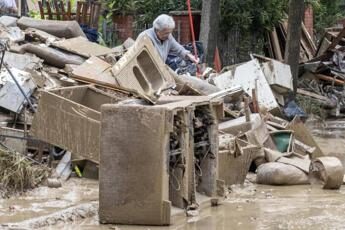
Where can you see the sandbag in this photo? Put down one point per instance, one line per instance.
(8, 21)
(61, 29)
(275, 173)
(328, 171)
(196, 86)
(52, 56)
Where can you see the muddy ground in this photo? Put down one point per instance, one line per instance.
(251, 206)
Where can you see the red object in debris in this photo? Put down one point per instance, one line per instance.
(192, 28)
(193, 34)
(217, 62)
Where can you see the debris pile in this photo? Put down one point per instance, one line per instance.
(322, 79)
(276, 40)
(38, 59)
(158, 138)
(19, 173)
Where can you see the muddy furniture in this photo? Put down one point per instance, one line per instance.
(201, 124)
(152, 157)
(141, 69)
(70, 119)
(234, 162)
(133, 175)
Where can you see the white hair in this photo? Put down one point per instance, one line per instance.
(163, 21)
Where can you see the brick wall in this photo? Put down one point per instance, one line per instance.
(123, 26)
(309, 19)
(182, 31)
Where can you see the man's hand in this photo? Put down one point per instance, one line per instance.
(193, 59)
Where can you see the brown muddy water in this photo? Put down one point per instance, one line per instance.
(249, 206)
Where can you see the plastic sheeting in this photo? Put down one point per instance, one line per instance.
(291, 109)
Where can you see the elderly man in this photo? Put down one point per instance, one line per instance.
(164, 42)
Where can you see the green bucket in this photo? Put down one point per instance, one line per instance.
(281, 140)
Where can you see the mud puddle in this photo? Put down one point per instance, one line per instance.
(43, 200)
(257, 207)
(247, 207)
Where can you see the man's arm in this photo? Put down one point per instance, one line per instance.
(180, 51)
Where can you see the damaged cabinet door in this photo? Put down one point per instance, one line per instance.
(134, 178)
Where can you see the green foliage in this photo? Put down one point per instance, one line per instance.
(147, 10)
(327, 13)
(315, 3)
(251, 14)
(121, 6)
(34, 14)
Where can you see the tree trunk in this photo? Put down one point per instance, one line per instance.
(292, 49)
(209, 28)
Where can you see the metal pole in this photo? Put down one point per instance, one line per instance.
(19, 8)
(20, 88)
(2, 49)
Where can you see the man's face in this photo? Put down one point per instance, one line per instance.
(164, 34)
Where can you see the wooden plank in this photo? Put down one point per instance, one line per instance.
(324, 44)
(95, 15)
(82, 46)
(305, 48)
(79, 5)
(63, 12)
(310, 94)
(106, 86)
(41, 9)
(302, 134)
(92, 9)
(309, 39)
(49, 11)
(69, 10)
(330, 79)
(84, 13)
(337, 40)
(276, 45)
(95, 70)
(303, 53)
(57, 10)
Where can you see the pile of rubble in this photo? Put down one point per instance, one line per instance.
(276, 41)
(323, 75)
(158, 139)
(321, 81)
